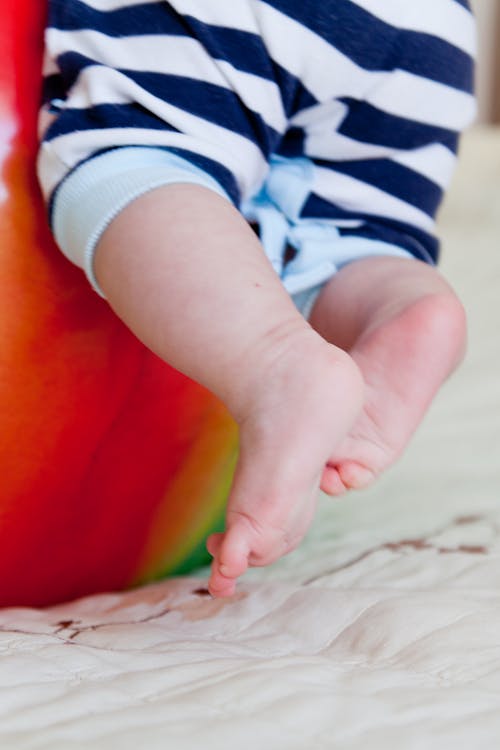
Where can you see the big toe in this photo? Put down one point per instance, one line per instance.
(345, 475)
(331, 483)
(231, 553)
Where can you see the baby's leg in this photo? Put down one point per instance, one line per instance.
(406, 330)
(181, 267)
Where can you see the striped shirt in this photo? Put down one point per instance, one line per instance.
(361, 101)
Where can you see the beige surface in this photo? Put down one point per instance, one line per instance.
(381, 631)
(487, 14)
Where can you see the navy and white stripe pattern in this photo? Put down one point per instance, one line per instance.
(367, 97)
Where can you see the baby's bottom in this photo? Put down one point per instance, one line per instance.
(331, 403)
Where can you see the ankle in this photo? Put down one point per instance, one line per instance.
(261, 360)
(293, 361)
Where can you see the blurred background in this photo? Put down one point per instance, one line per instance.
(488, 63)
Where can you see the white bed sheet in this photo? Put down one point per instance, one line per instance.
(381, 631)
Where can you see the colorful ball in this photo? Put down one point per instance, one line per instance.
(114, 467)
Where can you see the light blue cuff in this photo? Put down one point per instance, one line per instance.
(95, 193)
(322, 251)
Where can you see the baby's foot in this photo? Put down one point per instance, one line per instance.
(404, 361)
(307, 403)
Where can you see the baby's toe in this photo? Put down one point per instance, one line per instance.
(354, 475)
(219, 585)
(345, 475)
(231, 553)
(331, 483)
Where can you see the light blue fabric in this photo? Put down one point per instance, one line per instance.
(320, 248)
